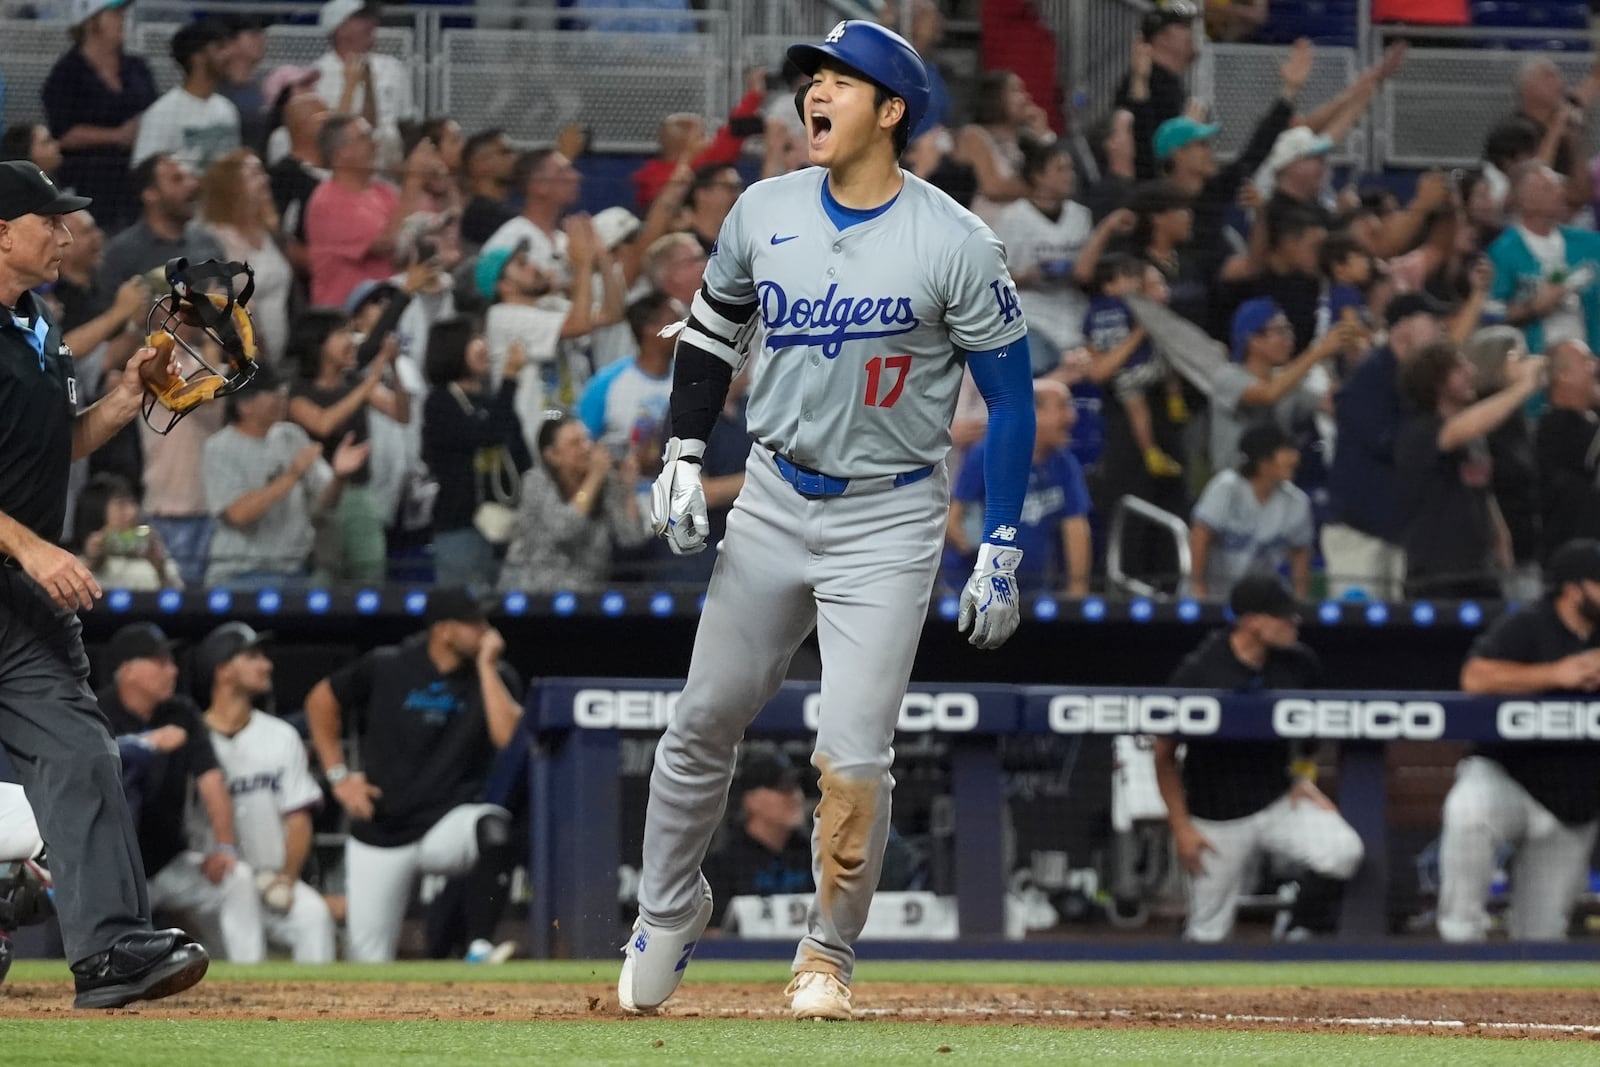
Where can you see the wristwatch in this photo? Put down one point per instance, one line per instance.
(337, 774)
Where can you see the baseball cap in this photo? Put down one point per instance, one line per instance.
(492, 264)
(454, 605)
(1183, 130)
(616, 225)
(1262, 441)
(281, 78)
(1577, 560)
(762, 770)
(367, 291)
(138, 640)
(1262, 594)
(84, 10)
(336, 13)
(222, 644)
(27, 190)
(1251, 318)
(1408, 304)
(1173, 13)
(1295, 143)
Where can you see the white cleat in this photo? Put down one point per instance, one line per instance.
(655, 958)
(818, 995)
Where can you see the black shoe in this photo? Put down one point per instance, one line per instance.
(5, 956)
(146, 965)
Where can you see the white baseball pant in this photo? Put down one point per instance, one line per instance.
(860, 569)
(1301, 833)
(307, 929)
(230, 911)
(1484, 810)
(379, 881)
(19, 832)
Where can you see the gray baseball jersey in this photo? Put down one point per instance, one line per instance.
(859, 369)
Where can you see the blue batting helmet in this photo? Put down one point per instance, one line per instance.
(879, 53)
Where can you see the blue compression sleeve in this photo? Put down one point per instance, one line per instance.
(1005, 378)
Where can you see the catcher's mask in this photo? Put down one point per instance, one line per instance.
(203, 296)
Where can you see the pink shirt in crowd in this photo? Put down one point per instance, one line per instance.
(341, 225)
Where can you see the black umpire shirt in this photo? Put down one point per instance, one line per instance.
(38, 405)
(170, 777)
(1232, 779)
(424, 737)
(1563, 776)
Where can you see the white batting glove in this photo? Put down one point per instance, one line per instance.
(990, 605)
(677, 500)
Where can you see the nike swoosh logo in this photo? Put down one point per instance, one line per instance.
(779, 240)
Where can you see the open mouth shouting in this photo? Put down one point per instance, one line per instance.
(821, 127)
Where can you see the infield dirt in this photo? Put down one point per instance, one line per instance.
(1546, 1013)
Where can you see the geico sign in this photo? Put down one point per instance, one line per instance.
(623, 709)
(1548, 720)
(1375, 720)
(950, 713)
(1119, 713)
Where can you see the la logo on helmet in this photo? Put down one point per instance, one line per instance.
(836, 34)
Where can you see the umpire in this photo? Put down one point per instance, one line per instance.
(49, 722)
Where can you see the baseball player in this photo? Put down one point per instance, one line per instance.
(264, 762)
(873, 290)
(1235, 802)
(1540, 798)
(429, 714)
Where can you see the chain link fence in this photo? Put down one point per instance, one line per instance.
(1241, 81)
(532, 82)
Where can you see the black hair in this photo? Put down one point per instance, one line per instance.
(1509, 142)
(548, 430)
(527, 165)
(446, 361)
(310, 331)
(1378, 199)
(989, 109)
(194, 38)
(17, 141)
(1424, 376)
(94, 500)
(1335, 250)
(1285, 222)
(705, 176)
(144, 175)
(1036, 157)
(479, 141)
(1116, 265)
(643, 311)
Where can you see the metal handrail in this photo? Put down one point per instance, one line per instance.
(1143, 509)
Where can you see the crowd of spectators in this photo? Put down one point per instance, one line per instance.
(463, 375)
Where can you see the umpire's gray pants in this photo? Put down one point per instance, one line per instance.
(63, 753)
(860, 569)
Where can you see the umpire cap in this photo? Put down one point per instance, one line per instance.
(882, 55)
(27, 190)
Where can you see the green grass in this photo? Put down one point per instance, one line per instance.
(125, 1041)
(604, 972)
(728, 1044)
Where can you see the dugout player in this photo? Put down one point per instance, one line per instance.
(49, 724)
(1234, 803)
(427, 716)
(269, 781)
(874, 290)
(1541, 798)
(212, 885)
